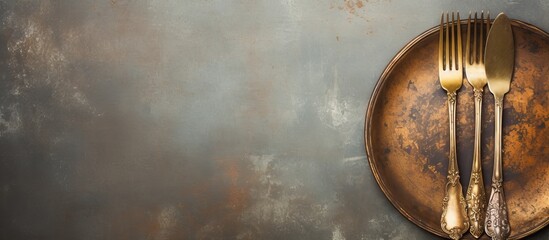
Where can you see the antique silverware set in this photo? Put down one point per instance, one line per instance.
(489, 58)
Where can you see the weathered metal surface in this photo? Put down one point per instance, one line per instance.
(208, 119)
(408, 133)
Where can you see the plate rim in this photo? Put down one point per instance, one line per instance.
(368, 142)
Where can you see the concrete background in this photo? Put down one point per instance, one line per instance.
(209, 119)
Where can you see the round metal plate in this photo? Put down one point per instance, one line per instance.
(406, 133)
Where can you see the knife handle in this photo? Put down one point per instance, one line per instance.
(497, 223)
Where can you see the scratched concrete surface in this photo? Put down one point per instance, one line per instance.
(209, 119)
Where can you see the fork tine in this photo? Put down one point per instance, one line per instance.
(447, 45)
(453, 42)
(486, 32)
(459, 45)
(440, 43)
(468, 41)
(487, 23)
(481, 38)
(475, 46)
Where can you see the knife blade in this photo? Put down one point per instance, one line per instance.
(500, 56)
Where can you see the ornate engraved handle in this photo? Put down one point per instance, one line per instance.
(454, 220)
(497, 223)
(476, 195)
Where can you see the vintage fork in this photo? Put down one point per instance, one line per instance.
(476, 75)
(454, 220)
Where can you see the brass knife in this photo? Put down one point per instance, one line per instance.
(499, 63)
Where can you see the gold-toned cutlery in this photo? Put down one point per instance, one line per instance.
(454, 220)
(499, 64)
(475, 74)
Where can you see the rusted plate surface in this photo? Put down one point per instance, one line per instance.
(407, 133)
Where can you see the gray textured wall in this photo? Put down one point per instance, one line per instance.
(209, 119)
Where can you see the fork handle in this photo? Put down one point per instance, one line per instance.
(452, 166)
(497, 223)
(476, 195)
(454, 220)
